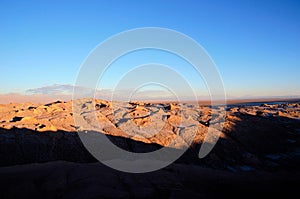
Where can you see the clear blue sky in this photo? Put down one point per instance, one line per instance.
(255, 44)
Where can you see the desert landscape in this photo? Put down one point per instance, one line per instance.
(258, 151)
(149, 99)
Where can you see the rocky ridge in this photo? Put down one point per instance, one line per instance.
(252, 137)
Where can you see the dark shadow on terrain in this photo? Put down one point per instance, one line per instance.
(258, 143)
(23, 146)
(274, 140)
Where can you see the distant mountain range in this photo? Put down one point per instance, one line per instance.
(65, 92)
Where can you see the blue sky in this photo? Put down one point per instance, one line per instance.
(255, 44)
